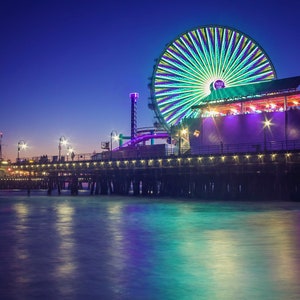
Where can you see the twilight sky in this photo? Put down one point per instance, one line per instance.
(67, 67)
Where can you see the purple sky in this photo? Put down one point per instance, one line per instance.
(67, 67)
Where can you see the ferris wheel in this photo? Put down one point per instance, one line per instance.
(199, 61)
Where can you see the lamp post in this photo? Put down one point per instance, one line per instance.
(70, 152)
(21, 146)
(113, 135)
(62, 141)
(1, 135)
(182, 133)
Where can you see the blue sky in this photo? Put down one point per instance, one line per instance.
(67, 67)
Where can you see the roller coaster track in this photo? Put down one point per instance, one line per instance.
(143, 138)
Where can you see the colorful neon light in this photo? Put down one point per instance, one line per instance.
(200, 60)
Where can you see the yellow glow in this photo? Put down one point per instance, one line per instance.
(65, 213)
(196, 133)
(22, 210)
(184, 131)
(267, 123)
(206, 85)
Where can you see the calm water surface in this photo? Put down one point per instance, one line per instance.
(102, 247)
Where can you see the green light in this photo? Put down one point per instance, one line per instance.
(188, 67)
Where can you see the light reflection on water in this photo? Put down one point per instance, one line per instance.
(127, 248)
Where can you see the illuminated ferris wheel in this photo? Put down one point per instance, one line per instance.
(200, 61)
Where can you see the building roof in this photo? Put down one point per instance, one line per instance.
(252, 90)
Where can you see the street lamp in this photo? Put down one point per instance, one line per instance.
(62, 141)
(21, 146)
(113, 135)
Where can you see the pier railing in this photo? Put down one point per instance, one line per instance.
(257, 147)
(137, 152)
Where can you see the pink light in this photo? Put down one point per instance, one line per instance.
(134, 96)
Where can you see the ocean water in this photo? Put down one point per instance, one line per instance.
(108, 247)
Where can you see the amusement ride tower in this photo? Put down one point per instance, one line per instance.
(133, 98)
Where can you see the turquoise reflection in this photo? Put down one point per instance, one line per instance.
(205, 254)
(130, 248)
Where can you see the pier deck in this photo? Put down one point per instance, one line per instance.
(242, 176)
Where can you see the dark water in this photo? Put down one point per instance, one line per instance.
(102, 247)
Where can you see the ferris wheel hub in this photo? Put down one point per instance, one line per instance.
(218, 84)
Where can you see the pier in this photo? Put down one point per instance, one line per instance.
(241, 176)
